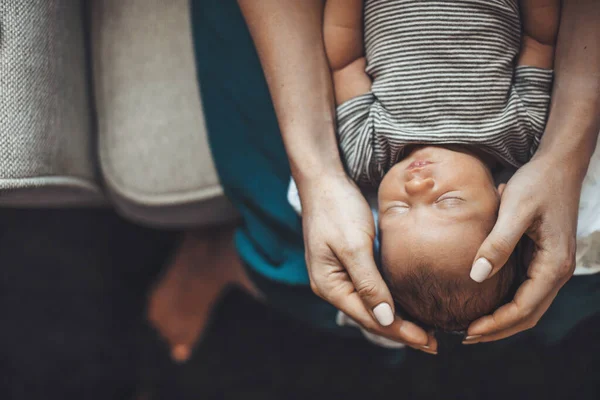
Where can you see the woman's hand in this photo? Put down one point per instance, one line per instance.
(541, 200)
(338, 225)
(339, 231)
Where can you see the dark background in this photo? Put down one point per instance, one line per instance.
(73, 291)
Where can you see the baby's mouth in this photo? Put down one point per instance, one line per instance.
(418, 164)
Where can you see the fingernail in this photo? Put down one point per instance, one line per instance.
(340, 319)
(481, 270)
(383, 314)
(472, 337)
(428, 350)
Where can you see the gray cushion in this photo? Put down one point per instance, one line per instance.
(153, 148)
(46, 143)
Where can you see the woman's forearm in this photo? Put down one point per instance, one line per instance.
(574, 119)
(289, 39)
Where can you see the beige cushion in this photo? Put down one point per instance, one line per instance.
(46, 143)
(153, 147)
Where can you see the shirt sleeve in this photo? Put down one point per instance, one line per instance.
(355, 123)
(533, 87)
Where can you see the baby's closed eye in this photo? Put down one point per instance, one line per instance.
(451, 201)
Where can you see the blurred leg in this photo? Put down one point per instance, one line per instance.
(180, 305)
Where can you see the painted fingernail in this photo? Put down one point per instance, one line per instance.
(340, 319)
(481, 270)
(472, 337)
(383, 313)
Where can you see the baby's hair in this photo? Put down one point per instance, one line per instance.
(443, 303)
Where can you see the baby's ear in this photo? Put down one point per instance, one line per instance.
(501, 188)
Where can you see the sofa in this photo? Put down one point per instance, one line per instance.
(100, 107)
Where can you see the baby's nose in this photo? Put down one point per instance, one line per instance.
(419, 184)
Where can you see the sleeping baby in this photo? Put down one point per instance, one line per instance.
(435, 98)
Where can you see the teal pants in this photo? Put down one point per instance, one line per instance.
(254, 171)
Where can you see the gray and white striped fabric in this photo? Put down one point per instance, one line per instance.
(443, 73)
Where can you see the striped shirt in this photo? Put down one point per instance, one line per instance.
(443, 73)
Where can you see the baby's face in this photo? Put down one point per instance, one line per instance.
(436, 207)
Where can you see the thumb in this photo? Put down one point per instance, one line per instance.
(369, 284)
(497, 248)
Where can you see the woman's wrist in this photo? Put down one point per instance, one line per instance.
(313, 151)
(572, 128)
(572, 162)
(315, 173)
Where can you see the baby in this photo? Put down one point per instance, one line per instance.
(434, 97)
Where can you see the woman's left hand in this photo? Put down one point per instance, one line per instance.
(541, 200)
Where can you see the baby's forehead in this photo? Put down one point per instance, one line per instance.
(451, 248)
(442, 236)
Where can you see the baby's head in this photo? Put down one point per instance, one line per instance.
(435, 209)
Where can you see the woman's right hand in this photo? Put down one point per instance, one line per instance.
(338, 225)
(339, 231)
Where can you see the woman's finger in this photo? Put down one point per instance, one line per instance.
(360, 264)
(344, 320)
(497, 248)
(531, 301)
(521, 324)
(495, 336)
(399, 330)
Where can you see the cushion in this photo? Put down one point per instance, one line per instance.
(152, 142)
(46, 138)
